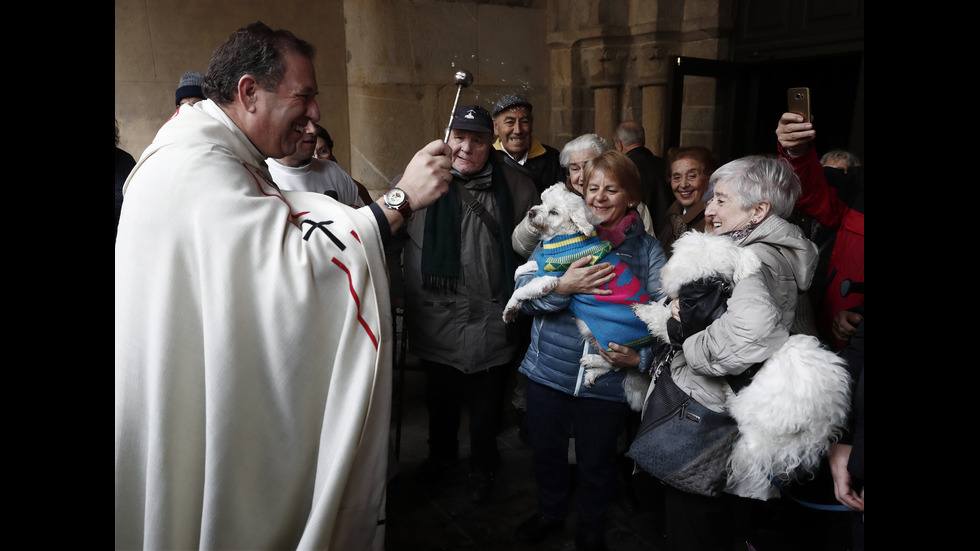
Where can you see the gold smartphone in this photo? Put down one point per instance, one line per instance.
(798, 100)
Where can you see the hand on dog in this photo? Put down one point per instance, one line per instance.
(620, 356)
(583, 279)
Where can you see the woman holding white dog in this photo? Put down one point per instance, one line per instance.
(559, 405)
(747, 200)
(573, 157)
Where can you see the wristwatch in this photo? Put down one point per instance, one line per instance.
(397, 199)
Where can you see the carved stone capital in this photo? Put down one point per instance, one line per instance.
(604, 66)
(650, 60)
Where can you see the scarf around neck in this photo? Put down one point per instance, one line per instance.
(442, 235)
(616, 235)
(740, 234)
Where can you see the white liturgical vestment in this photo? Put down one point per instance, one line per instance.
(252, 354)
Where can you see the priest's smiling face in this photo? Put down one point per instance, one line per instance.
(281, 116)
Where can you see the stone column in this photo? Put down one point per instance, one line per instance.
(603, 73)
(652, 78)
(654, 105)
(606, 110)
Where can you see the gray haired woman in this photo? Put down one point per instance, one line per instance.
(574, 156)
(748, 200)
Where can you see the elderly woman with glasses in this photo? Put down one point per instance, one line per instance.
(689, 169)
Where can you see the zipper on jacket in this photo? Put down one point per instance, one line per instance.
(580, 376)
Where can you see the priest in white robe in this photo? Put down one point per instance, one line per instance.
(252, 327)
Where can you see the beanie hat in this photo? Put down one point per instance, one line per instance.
(190, 86)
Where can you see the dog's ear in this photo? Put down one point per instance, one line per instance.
(554, 189)
(746, 263)
(582, 220)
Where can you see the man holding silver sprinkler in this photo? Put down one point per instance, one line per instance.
(458, 275)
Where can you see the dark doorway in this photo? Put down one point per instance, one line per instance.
(752, 96)
(834, 83)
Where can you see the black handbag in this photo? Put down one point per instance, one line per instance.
(679, 440)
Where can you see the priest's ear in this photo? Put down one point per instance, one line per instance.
(248, 93)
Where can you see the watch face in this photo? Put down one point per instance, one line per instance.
(395, 198)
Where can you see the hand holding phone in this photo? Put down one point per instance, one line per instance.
(794, 136)
(798, 101)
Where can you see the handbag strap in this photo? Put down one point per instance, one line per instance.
(477, 207)
(742, 380)
(736, 382)
(838, 508)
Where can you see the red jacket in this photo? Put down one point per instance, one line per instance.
(820, 201)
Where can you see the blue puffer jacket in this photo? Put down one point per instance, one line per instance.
(556, 347)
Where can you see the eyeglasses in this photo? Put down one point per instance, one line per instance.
(691, 176)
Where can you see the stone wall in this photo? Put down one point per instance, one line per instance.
(610, 64)
(401, 62)
(385, 67)
(156, 41)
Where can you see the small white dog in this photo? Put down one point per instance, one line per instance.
(797, 402)
(567, 229)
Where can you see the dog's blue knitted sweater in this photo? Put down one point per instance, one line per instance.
(609, 317)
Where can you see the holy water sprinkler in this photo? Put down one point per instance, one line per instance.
(463, 80)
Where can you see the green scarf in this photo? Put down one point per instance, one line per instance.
(442, 236)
